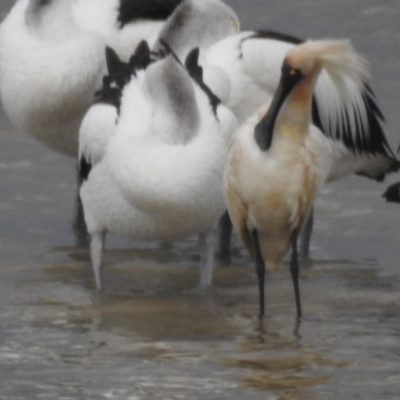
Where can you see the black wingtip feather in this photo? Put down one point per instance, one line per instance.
(192, 65)
(84, 169)
(141, 59)
(273, 35)
(156, 10)
(112, 60)
(120, 74)
(196, 73)
(169, 51)
(392, 193)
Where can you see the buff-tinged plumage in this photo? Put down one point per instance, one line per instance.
(257, 196)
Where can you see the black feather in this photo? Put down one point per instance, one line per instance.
(168, 51)
(196, 73)
(282, 37)
(141, 59)
(192, 65)
(392, 193)
(156, 10)
(84, 169)
(119, 74)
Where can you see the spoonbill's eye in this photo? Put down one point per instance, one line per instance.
(234, 25)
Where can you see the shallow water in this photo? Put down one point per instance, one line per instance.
(150, 335)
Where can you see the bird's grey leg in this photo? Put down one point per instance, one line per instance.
(305, 237)
(224, 240)
(260, 269)
(79, 225)
(206, 246)
(96, 254)
(294, 269)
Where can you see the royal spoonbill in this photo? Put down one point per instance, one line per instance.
(159, 176)
(277, 160)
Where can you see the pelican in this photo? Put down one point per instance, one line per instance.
(159, 174)
(277, 160)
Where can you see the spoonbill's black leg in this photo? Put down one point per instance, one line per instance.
(294, 269)
(260, 269)
(305, 237)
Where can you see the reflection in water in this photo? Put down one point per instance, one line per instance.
(281, 365)
(262, 333)
(150, 304)
(164, 339)
(158, 319)
(261, 330)
(296, 330)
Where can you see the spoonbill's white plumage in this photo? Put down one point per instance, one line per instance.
(160, 177)
(277, 159)
(52, 59)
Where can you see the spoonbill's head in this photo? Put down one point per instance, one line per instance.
(302, 65)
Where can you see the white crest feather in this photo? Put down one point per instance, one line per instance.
(338, 58)
(342, 63)
(340, 89)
